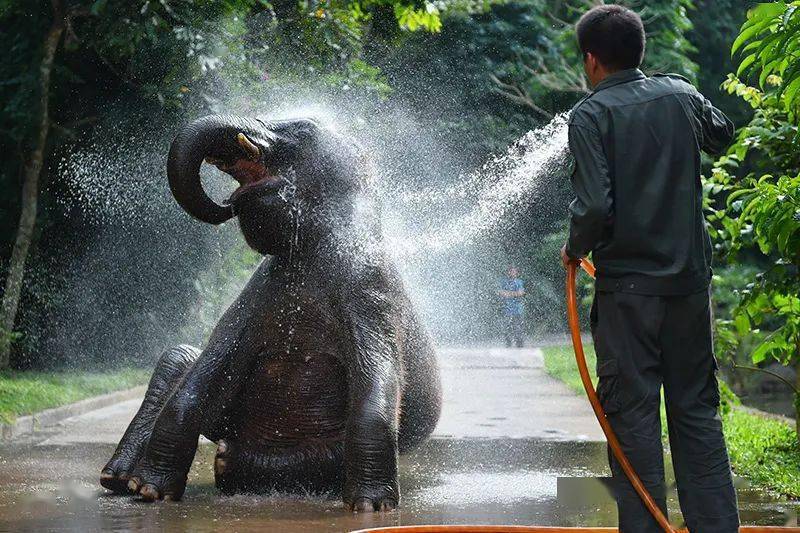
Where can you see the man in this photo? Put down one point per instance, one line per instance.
(638, 209)
(512, 291)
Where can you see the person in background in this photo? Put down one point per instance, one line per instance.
(638, 210)
(512, 290)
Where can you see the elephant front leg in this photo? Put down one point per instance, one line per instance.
(371, 451)
(199, 404)
(169, 371)
(164, 467)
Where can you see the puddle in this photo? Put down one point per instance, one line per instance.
(491, 481)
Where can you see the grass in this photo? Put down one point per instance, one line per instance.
(24, 393)
(559, 362)
(763, 450)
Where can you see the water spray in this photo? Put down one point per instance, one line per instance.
(613, 442)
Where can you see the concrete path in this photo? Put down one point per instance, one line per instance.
(488, 394)
(513, 447)
(506, 393)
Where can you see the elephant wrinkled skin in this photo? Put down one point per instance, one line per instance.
(320, 372)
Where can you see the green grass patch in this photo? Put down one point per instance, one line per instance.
(559, 362)
(763, 450)
(24, 393)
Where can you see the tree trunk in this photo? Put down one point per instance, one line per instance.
(797, 392)
(30, 191)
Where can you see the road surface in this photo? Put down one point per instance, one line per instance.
(514, 446)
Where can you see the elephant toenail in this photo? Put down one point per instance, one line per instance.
(388, 505)
(363, 505)
(149, 492)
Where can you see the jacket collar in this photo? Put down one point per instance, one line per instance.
(621, 76)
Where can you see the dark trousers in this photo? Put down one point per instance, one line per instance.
(642, 343)
(514, 330)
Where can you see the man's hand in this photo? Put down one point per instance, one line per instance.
(565, 259)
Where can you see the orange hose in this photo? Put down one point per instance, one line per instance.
(453, 528)
(580, 358)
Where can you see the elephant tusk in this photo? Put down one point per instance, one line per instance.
(252, 150)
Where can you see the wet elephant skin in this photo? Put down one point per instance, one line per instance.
(320, 373)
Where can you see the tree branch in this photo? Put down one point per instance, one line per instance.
(515, 94)
(770, 372)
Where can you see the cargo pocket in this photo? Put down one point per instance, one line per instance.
(608, 385)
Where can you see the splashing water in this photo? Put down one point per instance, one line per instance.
(430, 225)
(484, 198)
(123, 183)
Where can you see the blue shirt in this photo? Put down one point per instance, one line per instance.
(513, 305)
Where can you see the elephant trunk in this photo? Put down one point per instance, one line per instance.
(213, 136)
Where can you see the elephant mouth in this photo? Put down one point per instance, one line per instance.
(248, 174)
(255, 153)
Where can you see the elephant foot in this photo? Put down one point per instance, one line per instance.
(116, 483)
(117, 472)
(223, 467)
(367, 505)
(368, 500)
(153, 484)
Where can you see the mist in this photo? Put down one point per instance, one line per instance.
(143, 275)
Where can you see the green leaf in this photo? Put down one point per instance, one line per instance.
(791, 90)
(742, 324)
(746, 62)
(759, 19)
(746, 35)
(760, 354)
(768, 10)
(787, 229)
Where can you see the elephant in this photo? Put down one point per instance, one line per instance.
(320, 373)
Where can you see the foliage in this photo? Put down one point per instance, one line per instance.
(554, 64)
(756, 188)
(23, 393)
(146, 65)
(715, 24)
(768, 42)
(160, 63)
(765, 450)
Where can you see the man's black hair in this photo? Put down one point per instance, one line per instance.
(614, 35)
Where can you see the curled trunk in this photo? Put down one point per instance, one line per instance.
(213, 136)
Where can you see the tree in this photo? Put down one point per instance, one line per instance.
(112, 32)
(756, 186)
(30, 183)
(715, 25)
(558, 66)
(90, 55)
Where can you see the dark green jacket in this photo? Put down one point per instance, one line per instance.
(639, 201)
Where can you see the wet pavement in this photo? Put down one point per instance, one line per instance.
(513, 447)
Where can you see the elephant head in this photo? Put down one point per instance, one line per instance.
(293, 176)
